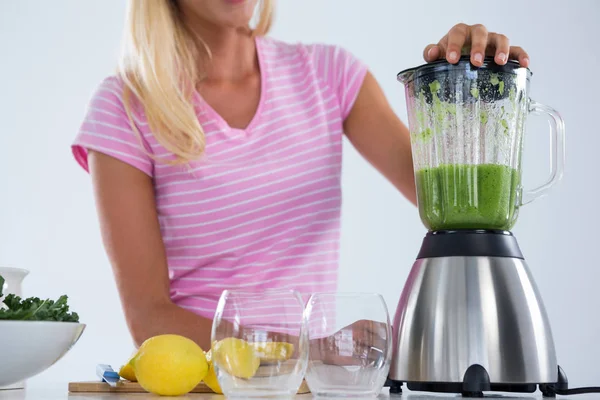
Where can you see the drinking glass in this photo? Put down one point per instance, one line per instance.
(350, 344)
(259, 343)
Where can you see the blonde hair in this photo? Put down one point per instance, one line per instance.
(159, 67)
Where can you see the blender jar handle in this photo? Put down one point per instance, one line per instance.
(557, 149)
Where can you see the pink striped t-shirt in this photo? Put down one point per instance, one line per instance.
(261, 208)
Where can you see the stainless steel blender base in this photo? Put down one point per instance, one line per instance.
(458, 312)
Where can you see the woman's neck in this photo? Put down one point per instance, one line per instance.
(233, 52)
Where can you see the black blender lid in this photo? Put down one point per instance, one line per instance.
(463, 63)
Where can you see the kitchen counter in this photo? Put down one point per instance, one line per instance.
(59, 391)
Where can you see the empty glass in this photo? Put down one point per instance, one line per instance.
(259, 343)
(349, 344)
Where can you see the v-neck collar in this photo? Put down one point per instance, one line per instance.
(224, 125)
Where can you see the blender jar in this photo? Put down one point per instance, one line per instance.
(466, 125)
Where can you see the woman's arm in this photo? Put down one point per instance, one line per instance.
(381, 138)
(131, 235)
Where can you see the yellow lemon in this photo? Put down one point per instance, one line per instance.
(270, 352)
(236, 357)
(170, 365)
(127, 371)
(211, 377)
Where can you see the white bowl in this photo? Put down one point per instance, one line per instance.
(30, 347)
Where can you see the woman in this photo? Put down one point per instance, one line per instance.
(215, 156)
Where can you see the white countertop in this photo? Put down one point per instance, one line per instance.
(58, 391)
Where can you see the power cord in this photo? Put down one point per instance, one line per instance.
(561, 387)
(582, 390)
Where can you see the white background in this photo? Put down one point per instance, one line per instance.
(54, 53)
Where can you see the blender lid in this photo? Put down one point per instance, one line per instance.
(464, 63)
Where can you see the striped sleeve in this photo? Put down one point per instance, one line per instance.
(106, 129)
(341, 71)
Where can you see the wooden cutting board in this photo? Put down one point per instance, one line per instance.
(134, 387)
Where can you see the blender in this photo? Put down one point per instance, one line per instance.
(470, 318)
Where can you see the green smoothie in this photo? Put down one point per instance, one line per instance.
(460, 196)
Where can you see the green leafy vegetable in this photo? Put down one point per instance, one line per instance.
(435, 86)
(494, 80)
(483, 117)
(35, 309)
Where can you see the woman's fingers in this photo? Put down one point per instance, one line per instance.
(457, 37)
(502, 47)
(479, 43)
(431, 52)
(517, 53)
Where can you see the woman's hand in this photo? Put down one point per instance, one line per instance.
(475, 40)
(360, 343)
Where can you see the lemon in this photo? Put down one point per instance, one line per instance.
(170, 365)
(236, 357)
(211, 377)
(127, 371)
(273, 351)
